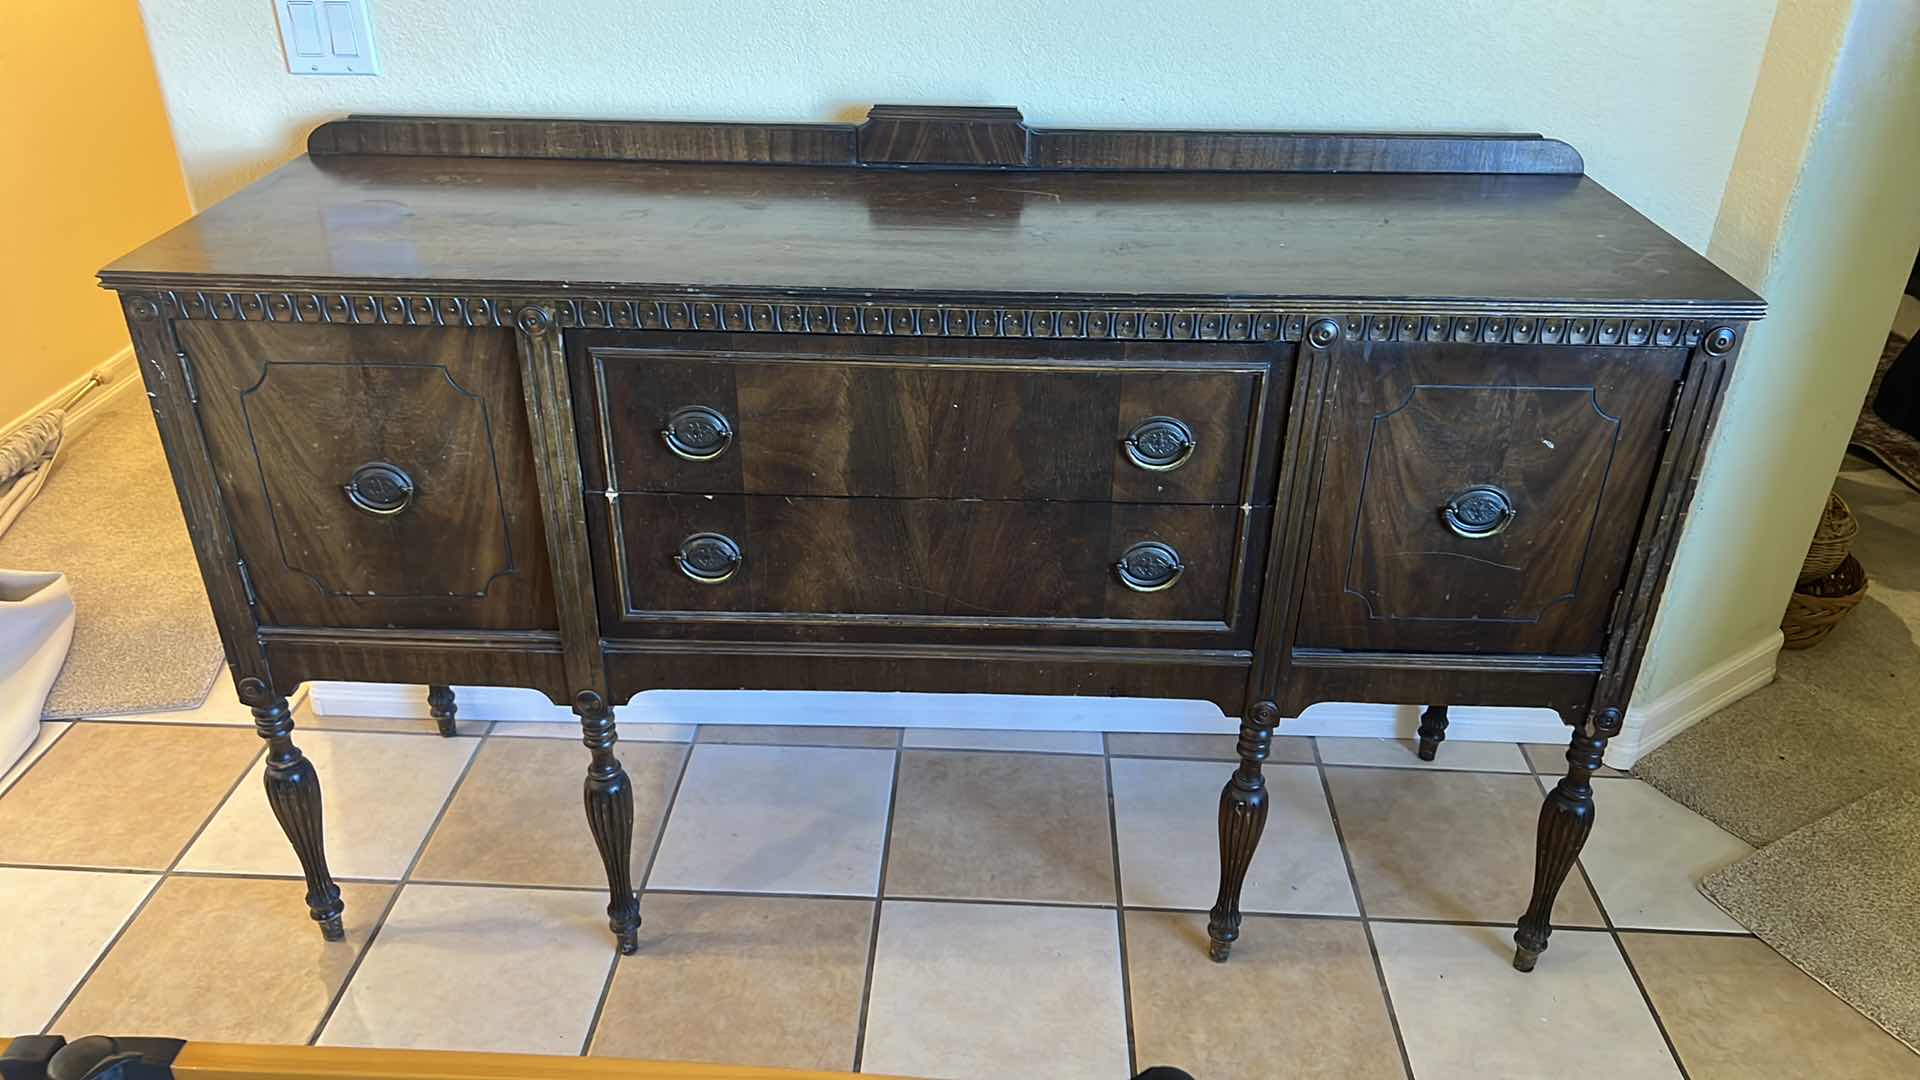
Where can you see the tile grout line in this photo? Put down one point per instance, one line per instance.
(159, 881)
(1613, 932)
(689, 745)
(120, 932)
(1360, 906)
(640, 889)
(1120, 912)
(239, 875)
(879, 900)
(393, 898)
(68, 730)
(259, 754)
(1634, 973)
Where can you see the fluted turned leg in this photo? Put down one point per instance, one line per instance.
(1243, 817)
(440, 703)
(610, 816)
(1433, 731)
(293, 790)
(1565, 820)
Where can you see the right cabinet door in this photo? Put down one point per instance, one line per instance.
(1481, 498)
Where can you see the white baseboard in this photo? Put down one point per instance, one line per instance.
(1660, 719)
(935, 711)
(118, 374)
(1646, 726)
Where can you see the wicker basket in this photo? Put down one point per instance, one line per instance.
(1818, 606)
(1831, 541)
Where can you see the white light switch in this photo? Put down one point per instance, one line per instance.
(327, 37)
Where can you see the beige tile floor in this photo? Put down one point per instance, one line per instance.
(945, 904)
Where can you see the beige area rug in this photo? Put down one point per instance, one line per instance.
(1819, 771)
(1842, 719)
(144, 638)
(1841, 899)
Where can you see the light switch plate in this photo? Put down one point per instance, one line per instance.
(327, 37)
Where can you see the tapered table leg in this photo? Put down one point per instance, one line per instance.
(1565, 820)
(293, 790)
(1433, 731)
(1243, 817)
(440, 703)
(610, 816)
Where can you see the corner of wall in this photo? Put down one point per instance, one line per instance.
(1653, 722)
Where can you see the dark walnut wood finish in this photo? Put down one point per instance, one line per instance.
(946, 420)
(938, 402)
(443, 708)
(425, 437)
(1435, 540)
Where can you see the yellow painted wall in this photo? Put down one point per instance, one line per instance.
(88, 173)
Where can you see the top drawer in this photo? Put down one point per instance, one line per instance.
(1174, 425)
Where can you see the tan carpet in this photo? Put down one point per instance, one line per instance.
(1820, 768)
(1841, 721)
(143, 639)
(1841, 899)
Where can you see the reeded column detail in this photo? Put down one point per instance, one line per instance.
(609, 798)
(1565, 820)
(293, 791)
(1243, 817)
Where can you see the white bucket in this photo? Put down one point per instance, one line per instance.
(36, 626)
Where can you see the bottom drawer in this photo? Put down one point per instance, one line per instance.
(917, 561)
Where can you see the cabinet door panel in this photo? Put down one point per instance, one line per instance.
(1481, 498)
(374, 476)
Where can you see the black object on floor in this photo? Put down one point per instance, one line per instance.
(1898, 402)
(93, 1057)
(1164, 1072)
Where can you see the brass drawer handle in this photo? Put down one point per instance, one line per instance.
(708, 558)
(1149, 566)
(381, 488)
(1478, 512)
(697, 433)
(1159, 444)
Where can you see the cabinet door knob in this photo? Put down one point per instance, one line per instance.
(708, 558)
(381, 488)
(1149, 566)
(1159, 444)
(1478, 512)
(697, 433)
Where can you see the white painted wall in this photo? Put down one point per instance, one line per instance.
(1823, 218)
(1654, 94)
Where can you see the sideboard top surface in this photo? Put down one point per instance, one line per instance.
(850, 233)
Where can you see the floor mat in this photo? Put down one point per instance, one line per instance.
(144, 639)
(1840, 898)
(1838, 723)
(1895, 450)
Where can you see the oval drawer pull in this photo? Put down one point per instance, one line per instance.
(708, 558)
(380, 487)
(1159, 444)
(1149, 566)
(1478, 512)
(697, 433)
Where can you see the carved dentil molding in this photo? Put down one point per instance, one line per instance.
(1317, 327)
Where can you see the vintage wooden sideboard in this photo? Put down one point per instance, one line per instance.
(936, 402)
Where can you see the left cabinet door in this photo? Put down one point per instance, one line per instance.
(375, 476)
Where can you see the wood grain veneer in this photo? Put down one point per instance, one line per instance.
(454, 401)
